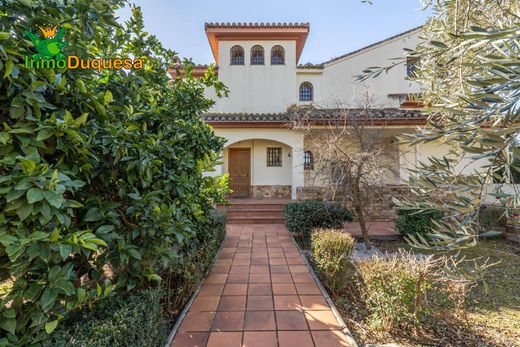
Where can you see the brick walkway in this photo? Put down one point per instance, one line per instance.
(259, 294)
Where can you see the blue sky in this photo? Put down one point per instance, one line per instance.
(337, 26)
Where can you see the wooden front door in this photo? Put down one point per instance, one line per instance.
(240, 172)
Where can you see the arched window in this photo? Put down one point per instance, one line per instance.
(306, 92)
(237, 55)
(277, 55)
(308, 160)
(257, 55)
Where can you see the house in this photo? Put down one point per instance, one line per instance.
(259, 63)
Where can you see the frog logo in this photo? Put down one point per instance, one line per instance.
(50, 47)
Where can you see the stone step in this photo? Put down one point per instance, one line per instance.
(273, 213)
(249, 207)
(255, 220)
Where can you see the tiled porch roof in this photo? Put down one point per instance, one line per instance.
(386, 115)
(247, 117)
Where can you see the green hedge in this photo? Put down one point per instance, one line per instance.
(305, 216)
(413, 221)
(330, 253)
(118, 321)
(181, 279)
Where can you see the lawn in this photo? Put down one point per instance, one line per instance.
(491, 320)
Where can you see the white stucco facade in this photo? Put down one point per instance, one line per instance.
(261, 95)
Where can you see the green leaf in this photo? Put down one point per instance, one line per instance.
(65, 251)
(34, 195)
(4, 137)
(53, 198)
(24, 211)
(45, 134)
(50, 326)
(10, 313)
(48, 299)
(14, 252)
(93, 215)
(4, 35)
(81, 119)
(8, 325)
(108, 97)
(8, 68)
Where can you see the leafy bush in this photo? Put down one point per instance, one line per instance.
(330, 253)
(181, 279)
(303, 217)
(402, 290)
(492, 216)
(415, 221)
(118, 321)
(101, 177)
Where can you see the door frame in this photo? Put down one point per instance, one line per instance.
(248, 149)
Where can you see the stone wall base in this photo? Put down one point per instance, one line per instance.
(276, 192)
(379, 205)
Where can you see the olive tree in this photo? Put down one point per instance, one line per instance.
(468, 64)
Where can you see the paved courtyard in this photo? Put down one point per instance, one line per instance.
(259, 293)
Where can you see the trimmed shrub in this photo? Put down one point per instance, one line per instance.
(330, 253)
(303, 217)
(124, 321)
(401, 290)
(415, 221)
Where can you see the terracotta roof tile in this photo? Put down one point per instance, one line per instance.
(313, 114)
(256, 25)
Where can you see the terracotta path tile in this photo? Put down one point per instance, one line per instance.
(216, 279)
(232, 303)
(287, 302)
(284, 289)
(260, 289)
(235, 289)
(190, 340)
(260, 339)
(259, 293)
(291, 320)
(225, 339)
(321, 320)
(259, 278)
(281, 278)
(237, 278)
(314, 303)
(228, 321)
(205, 303)
(260, 303)
(330, 338)
(307, 288)
(197, 321)
(211, 290)
(259, 320)
(296, 339)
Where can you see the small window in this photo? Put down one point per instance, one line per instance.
(306, 92)
(308, 161)
(274, 156)
(411, 66)
(237, 55)
(277, 55)
(257, 55)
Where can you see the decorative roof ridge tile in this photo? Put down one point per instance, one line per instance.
(255, 25)
(310, 66)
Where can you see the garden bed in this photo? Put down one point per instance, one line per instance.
(491, 320)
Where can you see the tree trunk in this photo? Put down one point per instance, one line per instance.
(356, 194)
